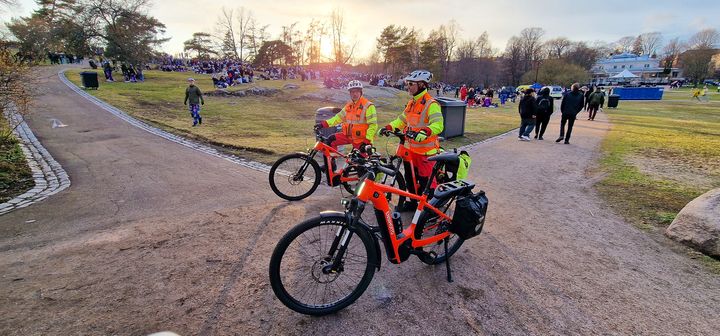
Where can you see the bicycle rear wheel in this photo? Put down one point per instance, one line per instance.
(353, 171)
(430, 224)
(294, 176)
(300, 272)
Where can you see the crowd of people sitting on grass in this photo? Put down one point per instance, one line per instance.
(478, 97)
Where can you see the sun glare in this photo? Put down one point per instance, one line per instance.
(326, 49)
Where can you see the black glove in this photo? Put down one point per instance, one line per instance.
(366, 148)
(318, 126)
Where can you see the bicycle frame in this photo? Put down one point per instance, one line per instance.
(334, 178)
(398, 245)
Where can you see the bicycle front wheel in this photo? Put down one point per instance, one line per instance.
(295, 176)
(430, 224)
(301, 272)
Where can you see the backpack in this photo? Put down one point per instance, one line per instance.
(597, 98)
(543, 104)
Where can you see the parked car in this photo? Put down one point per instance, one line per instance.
(711, 82)
(555, 91)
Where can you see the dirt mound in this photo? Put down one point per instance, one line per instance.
(376, 94)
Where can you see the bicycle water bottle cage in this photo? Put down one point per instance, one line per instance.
(453, 188)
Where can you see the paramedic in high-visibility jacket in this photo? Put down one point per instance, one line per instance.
(422, 115)
(358, 118)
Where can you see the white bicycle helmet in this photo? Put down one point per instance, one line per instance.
(419, 76)
(355, 84)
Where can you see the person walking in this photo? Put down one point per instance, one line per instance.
(596, 101)
(572, 104)
(194, 96)
(545, 108)
(463, 93)
(528, 113)
(587, 92)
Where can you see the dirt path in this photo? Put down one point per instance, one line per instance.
(142, 243)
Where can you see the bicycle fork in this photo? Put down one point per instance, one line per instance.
(337, 250)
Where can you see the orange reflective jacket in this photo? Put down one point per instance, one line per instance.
(355, 125)
(418, 119)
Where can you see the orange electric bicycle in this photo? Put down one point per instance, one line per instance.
(296, 176)
(324, 264)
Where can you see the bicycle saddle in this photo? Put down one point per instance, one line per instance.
(445, 158)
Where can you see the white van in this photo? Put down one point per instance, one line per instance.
(555, 91)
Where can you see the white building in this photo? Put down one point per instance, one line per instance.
(646, 68)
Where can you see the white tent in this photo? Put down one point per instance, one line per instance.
(625, 74)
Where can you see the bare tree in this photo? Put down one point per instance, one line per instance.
(705, 39)
(467, 50)
(531, 44)
(649, 42)
(256, 36)
(484, 47)
(343, 52)
(313, 36)
(672, 51)
(225, 28)
(624, 44)
(8, 4)
(445, 40)
(512, 59)
(16, 87)
(557, 47)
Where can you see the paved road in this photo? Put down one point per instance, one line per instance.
(154, 236)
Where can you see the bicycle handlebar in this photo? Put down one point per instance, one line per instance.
(400, 134)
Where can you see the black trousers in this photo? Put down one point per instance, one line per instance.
(541, 124)
(570, 120)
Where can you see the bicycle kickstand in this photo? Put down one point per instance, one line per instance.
(447, 261)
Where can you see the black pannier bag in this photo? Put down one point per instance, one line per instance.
(469, 216)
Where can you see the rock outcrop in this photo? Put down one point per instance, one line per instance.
(698, 224)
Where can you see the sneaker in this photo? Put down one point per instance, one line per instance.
(541, 138)
(525, 138)
(520, 138)
(560, 139)
(567, 142)
(535, 137)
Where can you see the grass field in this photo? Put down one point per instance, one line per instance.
(15, 175)
(659, 156)
(262, 128)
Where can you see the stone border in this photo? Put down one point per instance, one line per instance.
(163, 134)
(50, 178)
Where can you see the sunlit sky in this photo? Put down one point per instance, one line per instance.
(606, 20)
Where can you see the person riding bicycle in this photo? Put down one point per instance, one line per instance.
(358, 118)
(421, 115)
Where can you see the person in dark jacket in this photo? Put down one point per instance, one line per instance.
(545, 108)
(572, 104)
(594, 102)
(194, 95)
(587, 93)
(528, 112)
